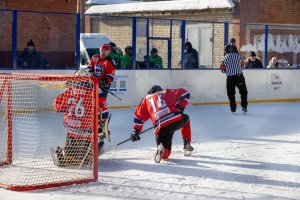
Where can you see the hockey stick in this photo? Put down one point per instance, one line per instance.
(114, 95)
(113, 147)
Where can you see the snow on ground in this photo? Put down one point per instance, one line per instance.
(253, 156)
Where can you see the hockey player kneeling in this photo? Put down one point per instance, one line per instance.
(165, 109)
(77, 104)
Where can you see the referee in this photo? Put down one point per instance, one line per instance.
(232, 65)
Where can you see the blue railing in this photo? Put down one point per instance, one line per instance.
(57, 39)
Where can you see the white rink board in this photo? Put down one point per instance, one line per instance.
(205, 86)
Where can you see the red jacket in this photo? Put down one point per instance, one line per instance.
(103, 68)
(162, 108)
(77, 104)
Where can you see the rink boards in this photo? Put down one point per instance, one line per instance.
(205, 86)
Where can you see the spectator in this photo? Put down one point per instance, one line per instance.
(115, 55)
(155, 59)
(126, 60)
(30, 58)
(190, 57)
(273, 63)
(143, 64)
(253, 61)
(232, 42)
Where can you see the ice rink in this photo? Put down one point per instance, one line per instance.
(253, 156)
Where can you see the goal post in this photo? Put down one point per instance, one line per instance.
(40, 113)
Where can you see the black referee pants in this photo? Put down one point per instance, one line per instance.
(239, 82)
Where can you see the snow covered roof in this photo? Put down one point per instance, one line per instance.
(160, 6)
(106, 2)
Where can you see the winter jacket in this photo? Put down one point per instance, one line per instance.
(156, 62)
(126, 61)
(33, 59)
(191, 59)
(116, 58)
(253, 64)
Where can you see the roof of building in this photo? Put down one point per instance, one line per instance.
(106, 2)
(161, 6)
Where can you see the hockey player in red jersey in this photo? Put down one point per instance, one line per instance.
(76, 102)
(102, 67)
(165, 109)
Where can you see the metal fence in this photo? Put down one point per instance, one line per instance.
(168, 36)
(61, 44)
(53, 35)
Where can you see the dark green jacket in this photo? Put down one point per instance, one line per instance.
(156, 61)
(126, 61)
(116, 57)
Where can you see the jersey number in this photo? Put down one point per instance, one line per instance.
(79, 108)
(160, 103)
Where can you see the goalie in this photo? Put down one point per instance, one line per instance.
(77, 104)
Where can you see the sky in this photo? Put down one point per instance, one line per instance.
(237, 157)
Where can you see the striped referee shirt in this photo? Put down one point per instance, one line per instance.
(232, 62)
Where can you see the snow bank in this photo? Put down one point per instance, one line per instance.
(161, 6)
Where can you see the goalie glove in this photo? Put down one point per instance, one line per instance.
(135, 135)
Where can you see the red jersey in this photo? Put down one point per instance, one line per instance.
(77, 103)
(161, 108)
(103, 68)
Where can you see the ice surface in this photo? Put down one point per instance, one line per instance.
(252, 156)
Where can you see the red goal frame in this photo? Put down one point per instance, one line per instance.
(6, 85)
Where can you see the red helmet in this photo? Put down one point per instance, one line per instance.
(105, 47)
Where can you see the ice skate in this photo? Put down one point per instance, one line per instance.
(244, 111)
(187, 148)
(57, 156)
(100, 147)
(159, 153)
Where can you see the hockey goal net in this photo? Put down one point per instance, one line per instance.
(31, 130)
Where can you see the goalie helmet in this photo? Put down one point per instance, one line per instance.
(76, 82)
(154, 88)
(83, 72)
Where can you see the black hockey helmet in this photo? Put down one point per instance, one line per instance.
(154, 88)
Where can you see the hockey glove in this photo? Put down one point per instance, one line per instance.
(103, 84)
(223, 68)
(135, 135)
(90, 70)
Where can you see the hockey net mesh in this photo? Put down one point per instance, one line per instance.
(31, 129)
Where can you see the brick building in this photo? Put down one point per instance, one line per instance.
(52, 33)
(239, 14)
